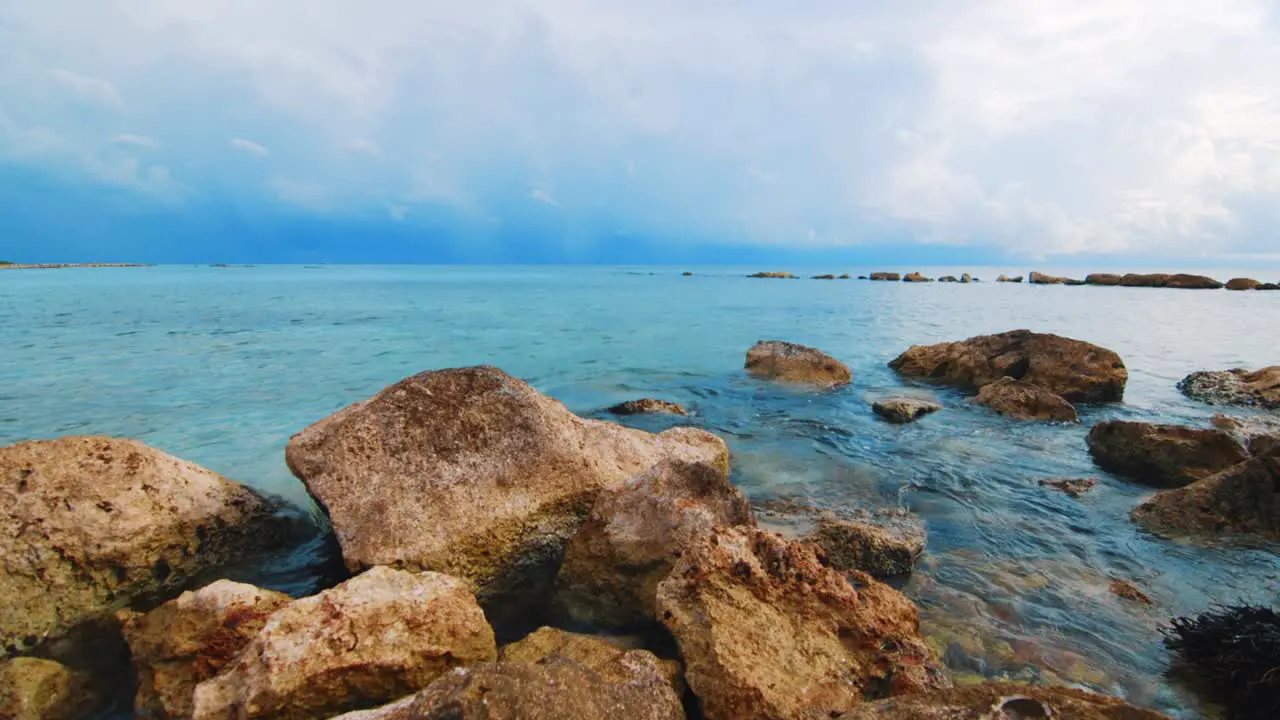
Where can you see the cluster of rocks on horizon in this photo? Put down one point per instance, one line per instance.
(506, 558)
(1151, 280)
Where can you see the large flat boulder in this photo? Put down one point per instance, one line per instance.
(1156, 280)
(1025, 401)
(766, 630)
(1002, 701)
(1165, 456)
(1260, 388)
(798, 364)
(380, 636)
(1039, 278)
(192, 638)
(473, 473)
(1242, 283)
(886, 276)
(1183, 281)
(1241, 500)
(1076, 370)
(633, 536)
(90, 524)
(1107, 279)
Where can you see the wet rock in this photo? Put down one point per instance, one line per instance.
(824, 277)
(38, 689)
(88, 524)
(887, 276)
(966, 278)
(648, 406)
(1155, 280)
(1025, 401)
(766, 630)
(191, 639)
(634, 534)
(900, 410)
(595, 651)
(887, 548)
(1075, 487)
(380, 636)
(1241, 500)
(1006, 278)
(1166, 456)
(1260, 388)
(1107, 279)
(1242, 283)
(1128, 591)
(1258, 434)
(1038, 278)
(915, 277)
(780, 275)
(401, 476)
(1192, 282)
(1076, 370)
(794, 363)
(1002, 701)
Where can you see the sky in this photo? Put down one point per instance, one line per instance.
(1103, 131)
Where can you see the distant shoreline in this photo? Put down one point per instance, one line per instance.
(60, 266)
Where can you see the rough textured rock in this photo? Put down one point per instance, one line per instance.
(1075, 487)
(767, 631)
(1192, 282)
(377, 637)
(648, 406)
(1155, 280)
(1006, 278)
(796, 364)
(1242, 500)
(1025, 401)
(1242, 284)
(1076, 370)
(633, 535)
(900, 410)
(915, 277)
(1038, 278)
(1128, 591)
(888, 276)
(1258, 433)
(38, 689)
(191, 639)
(1166, 456)
(401, 476)
(779, 275)
(595, 651)
(885, 549)
(1108, 279)
(1002, 701)
(1260, 388)
(87, 524)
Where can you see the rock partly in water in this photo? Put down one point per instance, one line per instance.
(845, 276)
(1259, 388)
(39, 689)
(1002, 701)
(380, 636)
(887, 276)
(900, 410)
(1128, 591)
(88, 524)
(1269, 286)
(1007, 279)
(595, 651)
(1259, 434)
(1038, 278)
(648, 406)
(948, 279)
(1075, 487)
(635, 533)
(1025, 401)
(686, 273)
(778, 275)
(915, 277)
(824, 277)
(401, 474)
(1076, 370)
(1107, 279)
(1155, 280)
(966, 278)
(794, 363)
(887, 548)
(766, 630)
(191, 639)
(1165, 456)
(1242, 500)
(1242, 283)
(1192, 282)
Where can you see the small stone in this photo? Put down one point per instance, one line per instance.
(900, 410)
(648, 406)
(1128, 591)
(1075, 487)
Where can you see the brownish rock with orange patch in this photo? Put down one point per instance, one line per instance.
(1025, 401)
(1128, 591)
(1167, 456)
(798, 364)
(1002, 701)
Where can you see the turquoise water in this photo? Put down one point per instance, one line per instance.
(222, 365)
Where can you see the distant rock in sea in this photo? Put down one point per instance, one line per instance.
(1038, 278)
(1108, 279)
(915, 277)
(781, 275)
(886, 276)
(824, 277)
(1007, 279)
(1242, 283)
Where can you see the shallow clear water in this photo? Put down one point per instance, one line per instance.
(222, 365)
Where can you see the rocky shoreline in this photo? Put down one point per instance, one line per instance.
(63, 266)
(495, 555)
(1151, 280)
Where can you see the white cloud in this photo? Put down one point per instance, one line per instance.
(89, 89)
(141, 141)
(397, 212)
(248, 146)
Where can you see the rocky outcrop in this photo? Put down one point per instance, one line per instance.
(1269, 286)
(1038, 278)
(1241, 500)
(1025, 401)
(648, 406)
(1260, 388)
(1007, 279)
(1242, 283)
(635, 533)
(38, 689)
(915, 277)
(1075, 487)
(1154, 280)
(87, 524)
(901, 410)
(1166, 456)
(1002, 701)
(1107, 279)
(1258, 434)
(401, 476)
(1076, 370)
(595, 651)
(377, 637)
(794, 363)
(779, 275)
(886, 276)
(885, 549)
(1192, 282)
(766, 630)
(191, 639)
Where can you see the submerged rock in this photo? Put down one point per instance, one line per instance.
(633, 536)
(1075, 487)
(1166, 456)
(595, 651)
(401, 476)
(884, 549)
(377, 637)
(900, 410)
(1108, 279)
(648, 406)
(1025, 401)
(767, 631)
(1002, 701)
(886, 276)
(39, 689)
(1242, 284)
(1128, 591)
(191, 639)
(1241, 500)
(779, 275)
(88, 524)
(1038, 278)
(1076, 370)
(1260, 388)
(794, 363)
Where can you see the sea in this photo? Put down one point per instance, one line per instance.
(221, 365)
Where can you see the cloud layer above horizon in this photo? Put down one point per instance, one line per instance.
(1028, 128)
